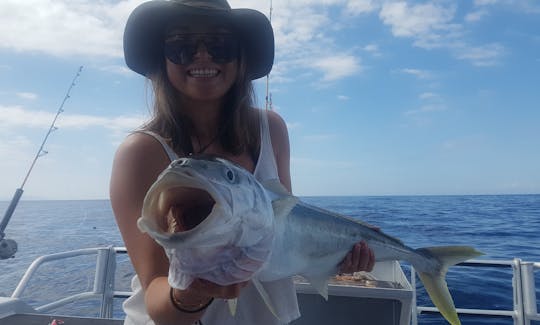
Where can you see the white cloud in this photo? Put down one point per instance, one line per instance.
(304, 37)
(482, 56)
(428, 95)
(421, 74)
(475, 16)
(343, 97)
(522, 6)
(26, 95)
(431, 25)
(304, 30)
(356, 7)
(422, 21)
(87, 28)
(337, 66)
(427, 109)
(64, 27)
(16, 116)
(484, 2)
(373, 49)
(117, 69)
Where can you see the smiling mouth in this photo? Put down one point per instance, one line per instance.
(203, 73)
(188, 208)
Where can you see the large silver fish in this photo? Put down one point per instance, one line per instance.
(259, 232)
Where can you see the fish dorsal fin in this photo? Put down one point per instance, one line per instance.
(266, 298)
(283, 206)
(275, 186)
(282, 201)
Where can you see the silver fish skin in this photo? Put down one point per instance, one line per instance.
(311, 241)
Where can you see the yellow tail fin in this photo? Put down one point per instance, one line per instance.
(435, 284)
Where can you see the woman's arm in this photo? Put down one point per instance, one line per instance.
(137, 164)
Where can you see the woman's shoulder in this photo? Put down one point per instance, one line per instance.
(139, 147)
(138, 161)
(275, 121)
(138, 143)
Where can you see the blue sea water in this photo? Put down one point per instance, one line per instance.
(502, 226)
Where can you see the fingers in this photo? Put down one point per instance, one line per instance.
(371, 263)
(360, 258)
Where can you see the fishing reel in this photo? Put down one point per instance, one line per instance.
(8, 248)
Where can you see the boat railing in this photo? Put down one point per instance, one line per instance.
(524, 293)
(104, 282)
(523, 281)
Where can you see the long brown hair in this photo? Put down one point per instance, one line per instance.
(238, 130)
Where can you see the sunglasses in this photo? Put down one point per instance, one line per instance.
(181, 48)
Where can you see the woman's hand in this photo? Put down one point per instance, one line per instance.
(360, 258)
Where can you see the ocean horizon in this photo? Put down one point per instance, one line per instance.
(30, 198)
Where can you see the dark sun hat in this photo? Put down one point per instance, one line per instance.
(146, 26)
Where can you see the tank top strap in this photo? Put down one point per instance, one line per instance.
(266, 167)
(168, 150)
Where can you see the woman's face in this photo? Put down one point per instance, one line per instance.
(201, 59)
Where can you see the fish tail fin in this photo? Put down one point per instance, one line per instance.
(435, 283)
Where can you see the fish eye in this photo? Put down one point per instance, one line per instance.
(230, 175)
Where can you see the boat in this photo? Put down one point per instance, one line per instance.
(386, 296)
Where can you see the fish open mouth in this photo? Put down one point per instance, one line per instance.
(185, 208)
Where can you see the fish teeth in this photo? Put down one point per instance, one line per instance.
(203, 73)
(172, 224)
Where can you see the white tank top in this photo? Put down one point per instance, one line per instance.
(251, 309)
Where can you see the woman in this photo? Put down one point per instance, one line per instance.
(201, 57)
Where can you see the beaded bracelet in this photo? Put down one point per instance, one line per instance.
(178, 305)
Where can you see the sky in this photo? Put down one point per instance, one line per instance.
(380, 97)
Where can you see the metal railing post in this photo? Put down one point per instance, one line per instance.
(529, 293)
(104, 280)
(518, 292)
(414, 312)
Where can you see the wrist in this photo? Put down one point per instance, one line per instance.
(189, 303)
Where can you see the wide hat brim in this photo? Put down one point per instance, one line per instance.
(146, 27)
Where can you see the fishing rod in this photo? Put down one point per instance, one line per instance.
(8, 247)
(268, 94)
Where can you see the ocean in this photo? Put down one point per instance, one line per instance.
(501, 226)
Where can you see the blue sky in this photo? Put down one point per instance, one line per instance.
(380, 97)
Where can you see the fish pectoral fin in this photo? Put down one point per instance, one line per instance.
(320, 283)
(232, 303)
(266, 298)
